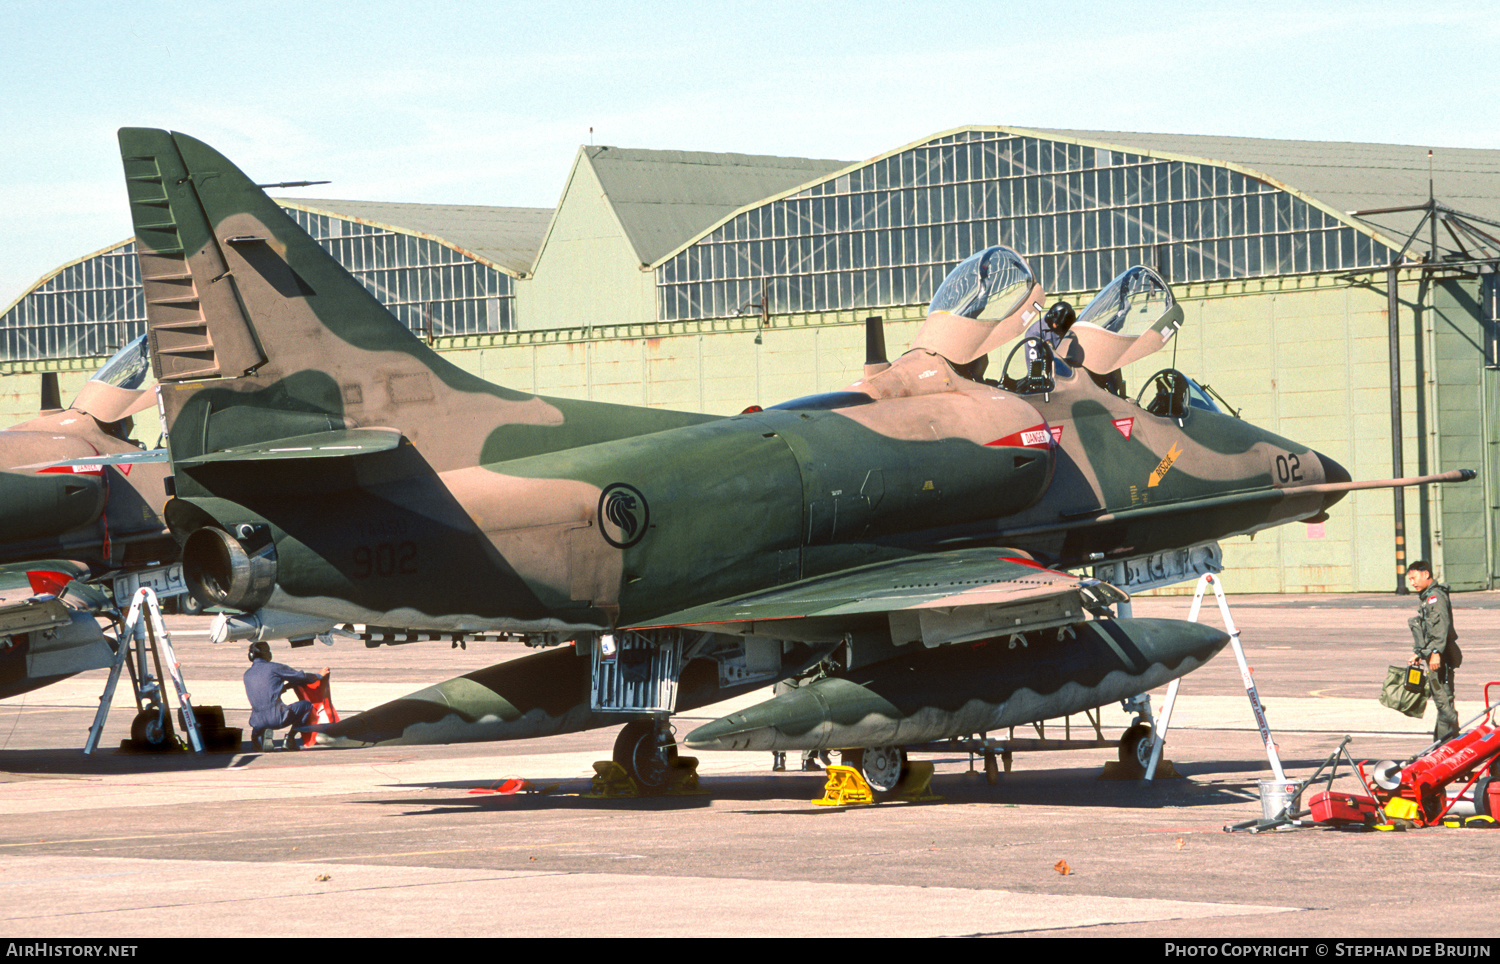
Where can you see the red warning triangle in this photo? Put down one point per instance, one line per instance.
(1124, 425)
(1056, 434)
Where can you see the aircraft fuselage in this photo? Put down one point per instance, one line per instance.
(622, 531)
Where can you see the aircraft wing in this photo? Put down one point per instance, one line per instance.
(939, 598)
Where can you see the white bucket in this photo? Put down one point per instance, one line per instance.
(1276, 796)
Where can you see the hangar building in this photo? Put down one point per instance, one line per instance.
(717, 281)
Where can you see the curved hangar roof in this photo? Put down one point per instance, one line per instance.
(1339, 176)
(1347, 176)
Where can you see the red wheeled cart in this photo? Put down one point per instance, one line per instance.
(1416, 792)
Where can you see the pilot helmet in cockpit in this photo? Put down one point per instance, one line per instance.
(1060, 318)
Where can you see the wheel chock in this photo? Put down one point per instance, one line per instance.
(685, 777)
(610, 781)
(916, 785)
(845, 787)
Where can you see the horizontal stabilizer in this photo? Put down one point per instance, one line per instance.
(339, 443)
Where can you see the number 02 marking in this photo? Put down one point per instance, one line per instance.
(1288, 468)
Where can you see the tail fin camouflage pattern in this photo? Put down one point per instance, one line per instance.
(259, 335)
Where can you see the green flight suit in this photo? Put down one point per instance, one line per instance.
(1432, 632)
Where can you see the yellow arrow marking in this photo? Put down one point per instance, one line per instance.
(1163, 466)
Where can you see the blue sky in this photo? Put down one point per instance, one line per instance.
(487, 103)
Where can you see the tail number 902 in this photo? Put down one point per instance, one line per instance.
(386, 559)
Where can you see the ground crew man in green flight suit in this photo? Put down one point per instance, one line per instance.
(1435, 643)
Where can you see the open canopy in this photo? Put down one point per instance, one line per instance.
(986, 301)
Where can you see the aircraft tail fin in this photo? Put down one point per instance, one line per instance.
(198, 325)
(258, 334)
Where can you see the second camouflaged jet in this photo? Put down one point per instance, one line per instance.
(330, 468)
(79, 499)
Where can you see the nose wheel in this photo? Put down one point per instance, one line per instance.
(152, 730)
(1135, 748)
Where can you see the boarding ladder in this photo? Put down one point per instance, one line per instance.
(143, 647)
(1204, 581)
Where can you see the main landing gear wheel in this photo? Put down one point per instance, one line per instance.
(883, 767)
(645, 760)
(1135, 748)
(188, 605)
(151, 730)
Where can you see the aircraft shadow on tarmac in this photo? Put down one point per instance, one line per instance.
(1073, 787)
(71, 762)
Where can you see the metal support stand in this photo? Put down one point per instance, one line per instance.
(1208, 579)
(1159, 733)
(142, 641)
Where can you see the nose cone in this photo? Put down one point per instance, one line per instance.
(1173, 644)
(1332, 473)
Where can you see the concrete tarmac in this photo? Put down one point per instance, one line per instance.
(413, 842)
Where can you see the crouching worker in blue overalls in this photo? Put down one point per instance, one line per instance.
(264, 683)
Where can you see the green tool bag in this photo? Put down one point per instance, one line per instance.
(1395, 694)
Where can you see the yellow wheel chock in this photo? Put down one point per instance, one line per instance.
(610, 781)
(847, 787)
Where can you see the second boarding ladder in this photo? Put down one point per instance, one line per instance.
(144, 647)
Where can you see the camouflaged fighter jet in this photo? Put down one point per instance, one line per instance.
(65, 515)
(896, 544)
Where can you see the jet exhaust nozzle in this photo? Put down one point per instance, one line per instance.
(232, 571)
